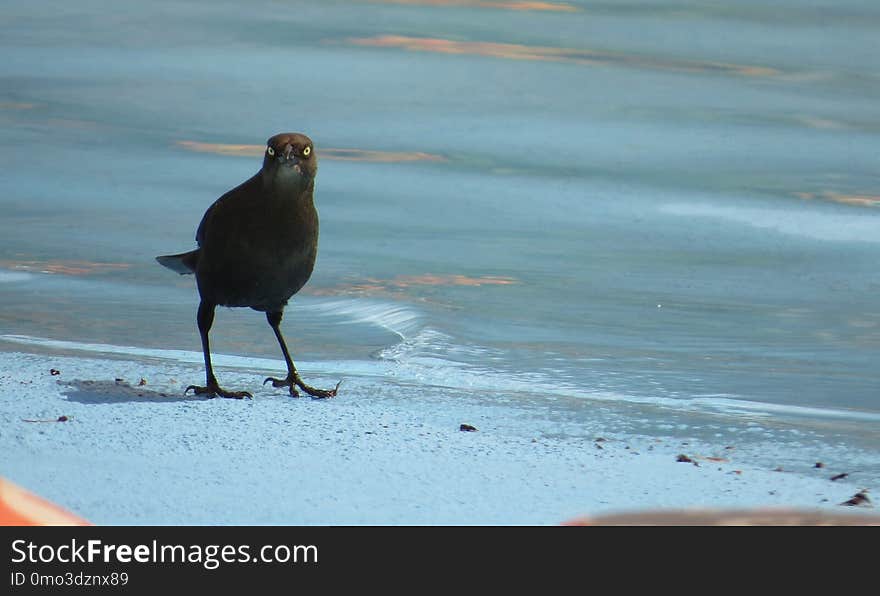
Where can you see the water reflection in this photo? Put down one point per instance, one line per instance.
(858, 200)
(504, 5)
(336, 154)
(514, 51)
(397, 286)
(63, 267)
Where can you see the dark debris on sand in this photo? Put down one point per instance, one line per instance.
(860, 499)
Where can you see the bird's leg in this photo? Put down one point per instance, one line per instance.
(293, 380)
(205, 319)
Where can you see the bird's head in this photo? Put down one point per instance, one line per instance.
(289, 160)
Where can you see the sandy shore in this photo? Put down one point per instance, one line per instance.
(131, 449)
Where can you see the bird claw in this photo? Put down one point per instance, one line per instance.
(321, 393)
(215, 390)
(283, 383)
(293, 382)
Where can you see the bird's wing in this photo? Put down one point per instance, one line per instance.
(200, 232)
(220, 204)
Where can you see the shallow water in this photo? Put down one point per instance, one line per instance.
(668, 211)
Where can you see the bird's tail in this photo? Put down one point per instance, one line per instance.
(183, 263)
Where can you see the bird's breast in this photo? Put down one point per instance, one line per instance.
(265, 255)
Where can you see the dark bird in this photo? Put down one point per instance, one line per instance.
(257, 248)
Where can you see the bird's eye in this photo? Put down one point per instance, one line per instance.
(270, 151)
(307, 151)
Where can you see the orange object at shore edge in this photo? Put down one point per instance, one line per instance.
(19, 507)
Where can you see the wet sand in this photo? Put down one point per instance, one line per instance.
(132, 449)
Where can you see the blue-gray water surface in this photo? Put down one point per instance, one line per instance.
(668, 209)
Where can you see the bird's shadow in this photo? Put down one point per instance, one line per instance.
(114, 392)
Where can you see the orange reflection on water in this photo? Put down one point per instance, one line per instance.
(222, 148)
(512, 51)
(62, 266)
(378, 156)
(509, 5)
(396, 286)
(16, 105)
(858, 200)
(429, 279)
(335, 154)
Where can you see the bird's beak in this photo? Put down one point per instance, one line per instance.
(288, 159)
(288, 156)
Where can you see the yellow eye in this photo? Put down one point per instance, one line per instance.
(270, 151)
(307, 151)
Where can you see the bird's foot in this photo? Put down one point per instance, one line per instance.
(320, 393)
(214, 390)
(288, 382)
(293, 381)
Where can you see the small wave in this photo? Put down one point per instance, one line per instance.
(442, 372)
(416, 340)
(423, 344)
(422, 360)
(738, 406)
(399, 320)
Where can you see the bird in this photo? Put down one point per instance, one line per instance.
(257, 246)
